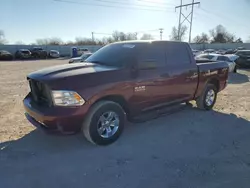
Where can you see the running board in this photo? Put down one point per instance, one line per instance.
(156, 113)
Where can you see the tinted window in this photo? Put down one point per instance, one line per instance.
(25, 51)
(244, 53)
(152, 53)
(177, 53)
(113, 54)
(203, 56)
(223, 58)
(206, 56)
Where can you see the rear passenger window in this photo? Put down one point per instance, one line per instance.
(223, 58)
(177, 54)
(153, 52)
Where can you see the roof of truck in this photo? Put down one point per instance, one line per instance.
(146, 41)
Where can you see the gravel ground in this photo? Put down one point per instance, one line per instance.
(190, 148)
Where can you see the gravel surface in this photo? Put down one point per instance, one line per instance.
(189, 149)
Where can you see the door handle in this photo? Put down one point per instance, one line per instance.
(192, 76)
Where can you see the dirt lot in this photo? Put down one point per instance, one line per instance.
(189, 148)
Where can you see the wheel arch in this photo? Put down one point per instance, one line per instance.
(119, 99)
(215, 82)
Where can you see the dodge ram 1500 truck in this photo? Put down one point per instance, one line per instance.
(120, 80)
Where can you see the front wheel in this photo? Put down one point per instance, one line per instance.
(208, 97)
(104, 123)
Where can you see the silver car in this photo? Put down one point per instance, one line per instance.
(217, 57)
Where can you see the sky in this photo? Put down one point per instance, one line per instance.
(27, 20)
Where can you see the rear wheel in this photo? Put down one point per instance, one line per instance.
(104, 123)
(208, 97)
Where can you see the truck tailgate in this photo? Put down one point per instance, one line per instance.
(215, 72)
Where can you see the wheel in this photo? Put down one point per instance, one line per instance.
(104, 123)
(208, 97)
(235, 69)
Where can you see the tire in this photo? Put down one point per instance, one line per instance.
(201, 101)
(235, 69)
(92, 122)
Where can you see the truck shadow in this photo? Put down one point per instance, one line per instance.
(187, 121)
(238, 78)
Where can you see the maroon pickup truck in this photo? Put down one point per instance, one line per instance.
(120, 81)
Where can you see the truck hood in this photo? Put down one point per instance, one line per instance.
(76, 58)
(67, 71)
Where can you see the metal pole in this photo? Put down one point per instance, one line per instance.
(179, 27)
(93, 36)
(161, 31)
(191, 22)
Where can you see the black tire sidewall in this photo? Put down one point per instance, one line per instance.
(209, 87)
(96, 138)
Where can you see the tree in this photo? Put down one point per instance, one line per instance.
(201, 39)
(55, 41)
(2, 37)
(131, 36)
(42, 41)
(121, 36)
(19, 42)
(220, 35)
(174, 33)
(248, 40)
(84, 41)
(239, 40)
(146, 36)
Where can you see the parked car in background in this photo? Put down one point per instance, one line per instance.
(82, 58)
(222, 52)
(196, 52)
(23, 54)
(232, 57)
(209, 51)
(81, 51)
(244, 58)
(5, 55)
(218, 57)
(38, 52)
(54, 54)
(229, 51)
(119, 81)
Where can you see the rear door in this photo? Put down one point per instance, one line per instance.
(181, 77)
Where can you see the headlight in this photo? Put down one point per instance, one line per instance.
(67, 98)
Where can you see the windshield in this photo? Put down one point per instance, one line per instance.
(113, 54)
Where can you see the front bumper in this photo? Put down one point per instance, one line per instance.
(66, 120)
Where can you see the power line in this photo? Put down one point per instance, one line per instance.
(220, 16)
(125, 3)
(110, 6)
(159, 3)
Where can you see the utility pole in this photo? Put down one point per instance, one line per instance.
(186, 18)
(161, 31)
(92, 33)
(179, 25)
